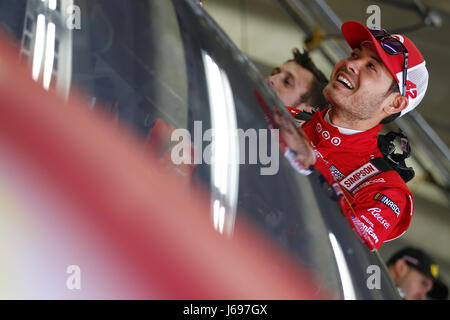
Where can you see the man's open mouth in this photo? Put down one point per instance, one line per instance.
(344, 81)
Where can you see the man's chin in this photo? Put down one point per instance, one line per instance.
(334, 98)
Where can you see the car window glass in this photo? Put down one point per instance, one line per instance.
(270, 193)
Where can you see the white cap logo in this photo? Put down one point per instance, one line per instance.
(399, 37)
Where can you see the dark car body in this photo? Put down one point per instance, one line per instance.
(144, 63)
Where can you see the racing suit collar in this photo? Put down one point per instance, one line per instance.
(326, 117)
(365, 141)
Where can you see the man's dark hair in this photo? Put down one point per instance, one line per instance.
(314, 96)
(392, 89)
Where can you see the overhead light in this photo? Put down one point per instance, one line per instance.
(38, 47)
(52, 4)
(49, 55)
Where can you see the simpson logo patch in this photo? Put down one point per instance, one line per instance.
(358, 176)
(388, 202)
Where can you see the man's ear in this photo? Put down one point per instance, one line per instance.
(401, 268)
(398, 104)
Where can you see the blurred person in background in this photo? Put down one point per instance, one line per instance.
(416, 275)
(298, 83)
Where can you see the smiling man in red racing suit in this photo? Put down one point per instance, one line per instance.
(370, 192)
(384, 77)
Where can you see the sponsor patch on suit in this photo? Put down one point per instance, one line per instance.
(388, 202)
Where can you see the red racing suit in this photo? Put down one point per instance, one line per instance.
(375, 200)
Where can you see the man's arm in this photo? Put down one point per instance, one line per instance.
(375, 214)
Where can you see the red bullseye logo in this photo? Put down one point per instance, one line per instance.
(319, 128)
(326, 135)
(336, 141)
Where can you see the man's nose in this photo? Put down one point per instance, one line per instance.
(272, 81)
(353, 66)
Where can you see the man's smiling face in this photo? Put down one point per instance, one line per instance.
(359, 84)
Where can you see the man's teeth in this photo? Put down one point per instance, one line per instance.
(345, 81)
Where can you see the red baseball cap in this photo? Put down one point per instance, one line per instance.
(417, 75)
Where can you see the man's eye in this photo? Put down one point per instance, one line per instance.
(372, 66)
(287, 82)
(354, 55)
